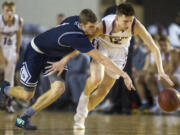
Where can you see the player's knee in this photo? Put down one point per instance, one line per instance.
(58, 87)
(59, 91)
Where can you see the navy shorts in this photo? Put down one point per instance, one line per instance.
(33, 65)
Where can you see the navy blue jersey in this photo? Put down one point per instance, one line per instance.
(63, 39)
(70, 19)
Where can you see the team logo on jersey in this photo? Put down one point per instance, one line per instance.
(116, 39)
(24, 73)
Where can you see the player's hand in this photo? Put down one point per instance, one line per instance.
(55, 67)
(166, 77)
(128, 83)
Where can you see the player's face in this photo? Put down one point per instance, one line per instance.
(124, 22)
(164, 46)
(89, 28)
(8, 13)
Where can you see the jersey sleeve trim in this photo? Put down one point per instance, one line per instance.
(132, 26)
(104, 27)
(113, 24)
(64, 34)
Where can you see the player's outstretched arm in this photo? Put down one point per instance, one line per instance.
(140, 30)
(95, 54)
(59, 65)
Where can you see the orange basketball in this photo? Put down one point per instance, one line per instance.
(169, 99)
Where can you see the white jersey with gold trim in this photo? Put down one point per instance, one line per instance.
(111, 39)
(8, 36)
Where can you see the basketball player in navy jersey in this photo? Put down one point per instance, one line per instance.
(53, 45)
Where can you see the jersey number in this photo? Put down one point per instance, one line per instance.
(115, 40)
(7, 41)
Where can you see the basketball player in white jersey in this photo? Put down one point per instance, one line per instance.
(115, 32)
(10, 38)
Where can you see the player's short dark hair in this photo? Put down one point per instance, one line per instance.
(87, 15)
(8, 4)
(163, 38)
(125, 9)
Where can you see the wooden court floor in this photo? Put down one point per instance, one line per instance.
(58, 123)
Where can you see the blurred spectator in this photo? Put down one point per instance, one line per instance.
(10, 40)
(174, 32)
(59, 18)
(171, 62)
(158, 29)
(149, 79)
(146, 80)
(139, 55)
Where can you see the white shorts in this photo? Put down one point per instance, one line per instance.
(117, 54)
(9, 53)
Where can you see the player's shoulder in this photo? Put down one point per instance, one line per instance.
(109, 18)
(107, 22)
(19, 19)
(71, 19)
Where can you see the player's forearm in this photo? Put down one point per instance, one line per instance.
(158, 59)
(111, 66)
(96, 55)
(69, 56)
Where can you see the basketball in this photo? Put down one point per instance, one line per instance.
(169, 100)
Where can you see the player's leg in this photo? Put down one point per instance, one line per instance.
(151, 83)
(21, 92)
(101, 91)
(9, 72)
(28, 79)
(96, 76)
(56, 90)
(29, 73)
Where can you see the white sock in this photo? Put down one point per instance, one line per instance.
(82, 108)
